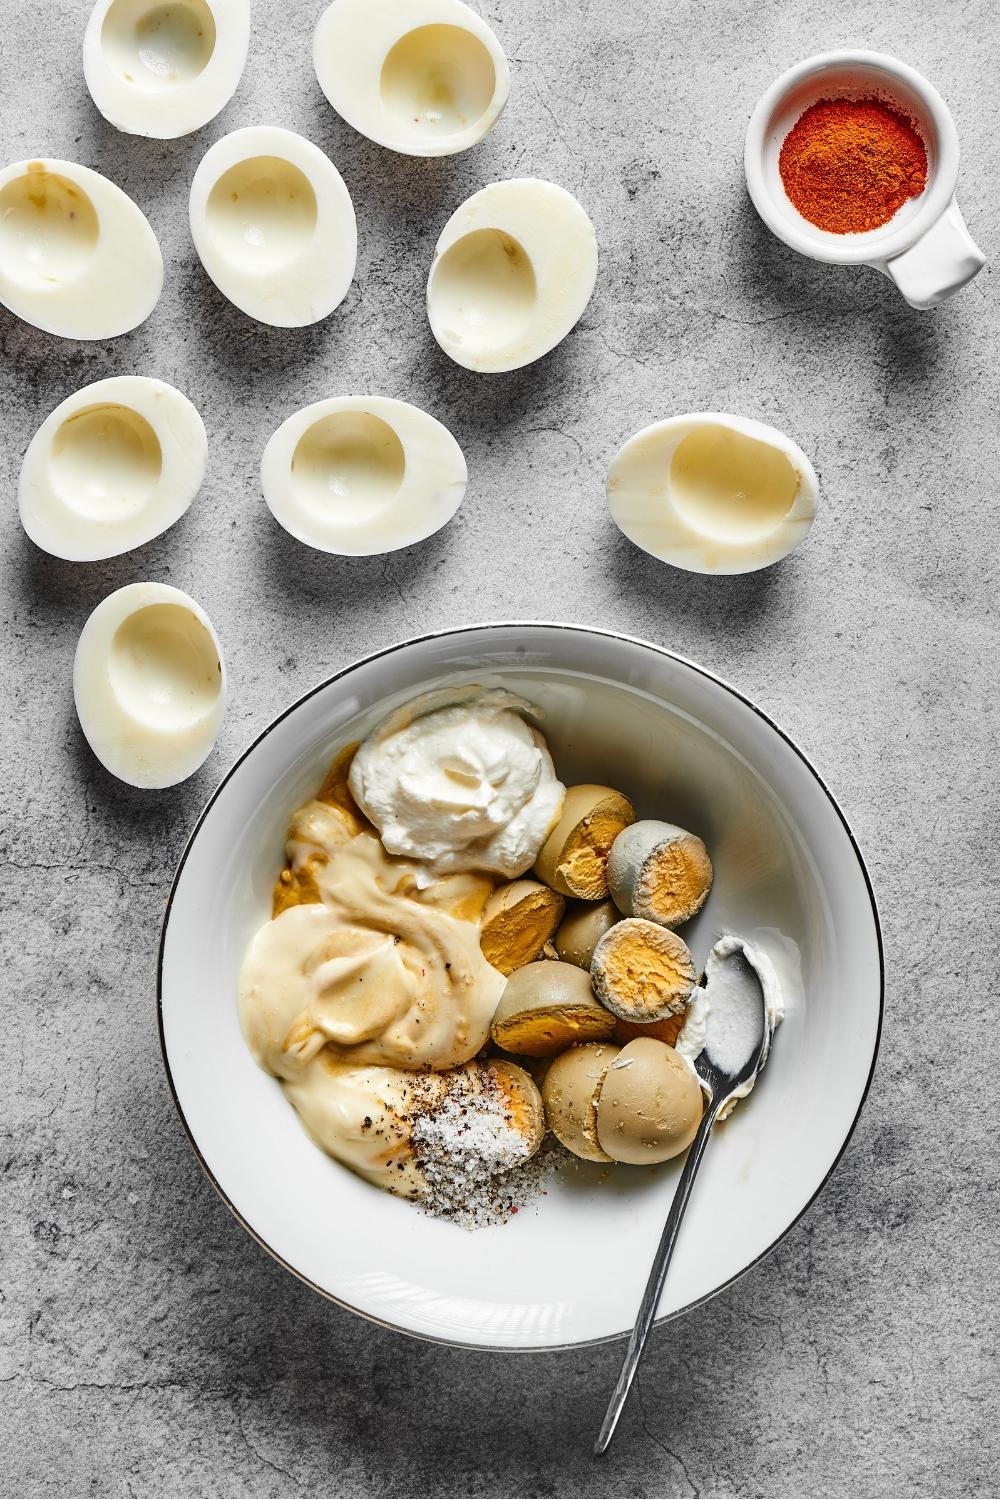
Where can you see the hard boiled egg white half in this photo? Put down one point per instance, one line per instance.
(513, 272)
(713, 493)
(150, 684)
(163, 70)
(274, 225)
(359, 475)
(423, 77)
(77, 257)
(115, 464)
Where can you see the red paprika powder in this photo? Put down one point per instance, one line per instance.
(848, 165)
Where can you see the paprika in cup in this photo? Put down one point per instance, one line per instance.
(849, 165)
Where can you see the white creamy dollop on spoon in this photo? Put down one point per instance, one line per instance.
(720, 1022)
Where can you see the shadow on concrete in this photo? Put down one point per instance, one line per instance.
(144, 830)
(735, 604)
(411, 192)
(342, 583)
(250, 357)
(45, 584)
(140, 165)
(769, 275)
(49, 369)
(486, 407)
(782, 283)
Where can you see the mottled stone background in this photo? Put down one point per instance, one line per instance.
(148, 1345)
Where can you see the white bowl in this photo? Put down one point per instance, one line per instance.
(925, 248)
(570, 1269)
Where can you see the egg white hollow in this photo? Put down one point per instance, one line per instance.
(513, 272)
(77, 257)
(361, 475)
(713, 493)
(422, 77)
(113, 466)
(149, 682)
(164, 68)
(274, 226)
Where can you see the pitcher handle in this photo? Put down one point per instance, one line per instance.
(943, 260)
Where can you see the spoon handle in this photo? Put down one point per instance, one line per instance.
(657, 1276)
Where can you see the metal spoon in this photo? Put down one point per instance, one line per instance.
(742, 995)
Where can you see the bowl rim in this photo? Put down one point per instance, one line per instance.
(482, 628)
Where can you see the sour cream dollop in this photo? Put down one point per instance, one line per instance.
(464, 785)
(717, 1016)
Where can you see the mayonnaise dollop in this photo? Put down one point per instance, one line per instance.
(379, 971)
(468, 785)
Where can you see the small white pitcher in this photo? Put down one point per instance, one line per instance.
(925, 248)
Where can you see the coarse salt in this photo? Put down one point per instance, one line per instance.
(477, 1165)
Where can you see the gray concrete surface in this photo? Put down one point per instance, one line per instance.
(148, 1346)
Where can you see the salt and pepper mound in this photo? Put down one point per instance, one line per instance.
(465, 1149)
